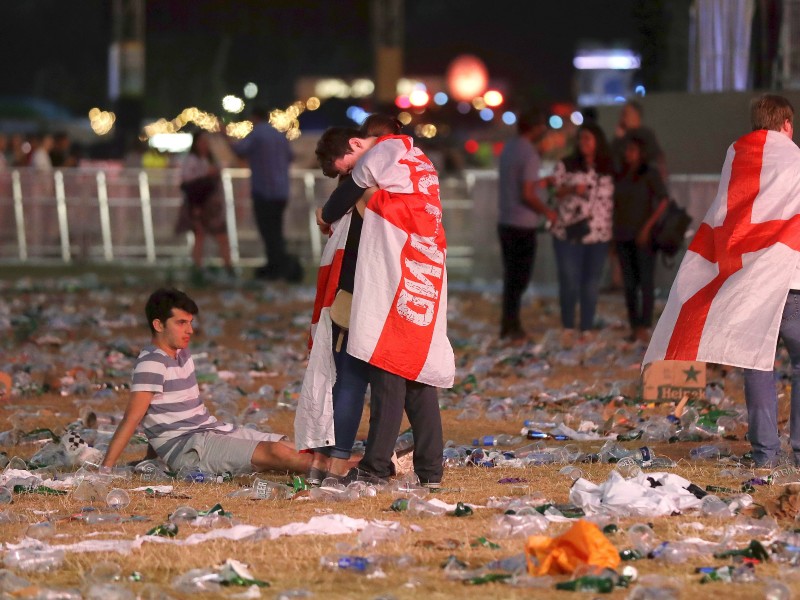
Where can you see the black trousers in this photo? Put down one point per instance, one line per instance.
(638, 274)
(518, 246)
(390, 395)
(268, 213)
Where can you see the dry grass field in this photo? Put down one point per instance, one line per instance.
(252, 336)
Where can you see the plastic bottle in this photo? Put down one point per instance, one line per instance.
(404, 443)
(503, 439)
(183, 513)
(709, 452)
(33, 559)
(421, 507)
(6, 497)
(347, 562)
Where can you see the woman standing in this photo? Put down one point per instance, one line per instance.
(203, 209)
(584, 189)
(640, 197)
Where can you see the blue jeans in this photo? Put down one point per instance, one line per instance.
(580, 268)
(762, 398)
(348, 397)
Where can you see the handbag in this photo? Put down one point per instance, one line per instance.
(340, 314)
(578, 230)
(670, 230)
(198, 190)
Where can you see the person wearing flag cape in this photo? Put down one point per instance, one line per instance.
(398, 315)
(737, 290)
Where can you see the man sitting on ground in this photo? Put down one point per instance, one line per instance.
(166, 400)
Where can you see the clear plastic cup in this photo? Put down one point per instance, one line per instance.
(118, 499)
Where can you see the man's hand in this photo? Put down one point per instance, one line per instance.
(324, 228)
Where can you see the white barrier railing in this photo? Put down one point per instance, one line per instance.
(119, 215)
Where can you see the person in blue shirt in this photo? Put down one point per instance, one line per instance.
(268, 152)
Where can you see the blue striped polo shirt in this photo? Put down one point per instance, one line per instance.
(176, 410)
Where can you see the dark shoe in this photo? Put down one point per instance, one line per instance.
(293, 271)
(267, 273)
(356, 474)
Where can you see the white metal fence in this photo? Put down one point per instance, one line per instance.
(127, 216)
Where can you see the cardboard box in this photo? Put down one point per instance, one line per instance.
(669, 380)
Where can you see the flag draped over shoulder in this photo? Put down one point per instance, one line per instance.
(313, 425)
(330, 268)
(399, 315)
(727, 299)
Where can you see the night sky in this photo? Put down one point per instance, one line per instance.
(199, 49)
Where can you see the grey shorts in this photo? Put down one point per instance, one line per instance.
(215, 452)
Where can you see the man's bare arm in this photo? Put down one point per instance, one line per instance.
(137, 407)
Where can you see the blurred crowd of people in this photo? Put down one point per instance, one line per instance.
(601, 201)
(40, 151)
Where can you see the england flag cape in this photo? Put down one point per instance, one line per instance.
(727, 299)
(313, 424)
(398, 320)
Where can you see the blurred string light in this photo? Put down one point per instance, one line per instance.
(286, 121)
(233, 104)
(101, 121)
(402, 101)
(339, 88)
(425, 130)
(577, 118)
(487, 114)
(509, 118)
(404, 118)
(250, 90)
(313, 103)
(463, 107)
(478, 103)
(239, 130)
(440, 98)
(556, 122)
(639, 90)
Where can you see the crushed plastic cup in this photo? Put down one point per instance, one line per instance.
(776, 590)
(418, 506)
(108, 591)
(713, 506)
(40, 531)
(183, 514)
(118, 499)
(642, 538)
(571, 473)
(104, 571)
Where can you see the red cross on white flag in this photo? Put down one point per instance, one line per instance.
(726, 301)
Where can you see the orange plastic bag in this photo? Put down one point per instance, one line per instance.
(584, 543)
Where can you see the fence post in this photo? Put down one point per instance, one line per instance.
(61, 208)
(19, 216)
(105, 217)
(147, 217)
(230, 215)
(309, 186)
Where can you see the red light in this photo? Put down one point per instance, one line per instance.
(497, 148)
(467, 77)
(471, 146)
(402, 102)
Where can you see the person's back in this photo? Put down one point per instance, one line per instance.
(515, 165)
(269, 155)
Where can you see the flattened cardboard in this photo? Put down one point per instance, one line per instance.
(670, 380)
